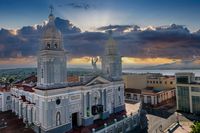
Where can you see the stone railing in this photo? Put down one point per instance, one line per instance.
(126, 124)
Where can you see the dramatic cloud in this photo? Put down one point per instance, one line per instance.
(79, 5)
(172, 42)
(76, 5)
(120, 28)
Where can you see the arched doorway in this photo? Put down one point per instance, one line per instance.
(58, 122)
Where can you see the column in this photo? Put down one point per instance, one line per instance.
(29, 113)
(102, 98)
(190, 100)
(85, 105)
(145, 99)
(156, 99)
(24, 105)
(20, 109)
(34, 115)
(152, 100)
(16, 106)
(90, 103)
(122, 96)
(105, 99)
(13, 104)
(138, 97)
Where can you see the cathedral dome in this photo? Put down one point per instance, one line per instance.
(51, 38)
(50, 30)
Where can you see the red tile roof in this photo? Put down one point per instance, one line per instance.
(4, 89)
(25, 87)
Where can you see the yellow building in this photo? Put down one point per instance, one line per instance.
(153, 89)
(163, 82)
(142, 81)
(136, 81)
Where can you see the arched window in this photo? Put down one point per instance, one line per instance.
(56, 45)
(48, 45)
(58, 122)
(8, 97)
(42, 73)
(119, 88)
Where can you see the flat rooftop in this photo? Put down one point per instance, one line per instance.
(132, 107)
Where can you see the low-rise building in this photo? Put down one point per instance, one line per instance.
(188, 93)
(136, 81)
(152, 89)
(157, 97)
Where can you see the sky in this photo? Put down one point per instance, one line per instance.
(89, 14)
(150, 45)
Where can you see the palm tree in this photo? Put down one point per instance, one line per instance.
(195, 127)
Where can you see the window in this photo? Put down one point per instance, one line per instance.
(171, 82)
(135, 97)
(195, 104)
(165, 82)
(119, 88)
(58, 122)
(48, 45)
(182, 80)
(183, 98)
(119, 98)
(128, 95)
(160, 82)
(156, 82)
(56, 45)
(58, 101)
(8, 97)
(42, 73)
(195, 89)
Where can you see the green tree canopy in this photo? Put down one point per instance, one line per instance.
(195, 127)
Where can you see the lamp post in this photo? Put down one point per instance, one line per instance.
(177, 117)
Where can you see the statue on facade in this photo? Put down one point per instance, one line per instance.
(94, 63)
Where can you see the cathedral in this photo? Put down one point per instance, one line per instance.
(56, 106)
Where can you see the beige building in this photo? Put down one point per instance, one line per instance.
(153, 89)
(188, 93)
(136, 81)
(163, 82)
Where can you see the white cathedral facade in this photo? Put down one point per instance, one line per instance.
(55, 106)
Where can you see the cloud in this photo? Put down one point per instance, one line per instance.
(26, 41)
(84, 6)
(119, 28)
(171, 42)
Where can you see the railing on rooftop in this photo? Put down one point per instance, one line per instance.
(124, 124)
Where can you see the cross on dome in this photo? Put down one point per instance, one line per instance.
(51, 8)
(51, 16)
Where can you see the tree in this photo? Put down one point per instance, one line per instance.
(195, 127)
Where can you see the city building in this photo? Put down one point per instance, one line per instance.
(152, 89)
(136, 81)
(188, 93)
(49, 104)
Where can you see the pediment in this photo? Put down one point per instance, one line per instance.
(98, 80)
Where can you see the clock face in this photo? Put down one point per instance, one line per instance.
(58, 101)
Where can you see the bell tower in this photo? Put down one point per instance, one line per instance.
(51, 66)
(111, 60)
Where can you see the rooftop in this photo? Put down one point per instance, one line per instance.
(132, 107)
(154, 91)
